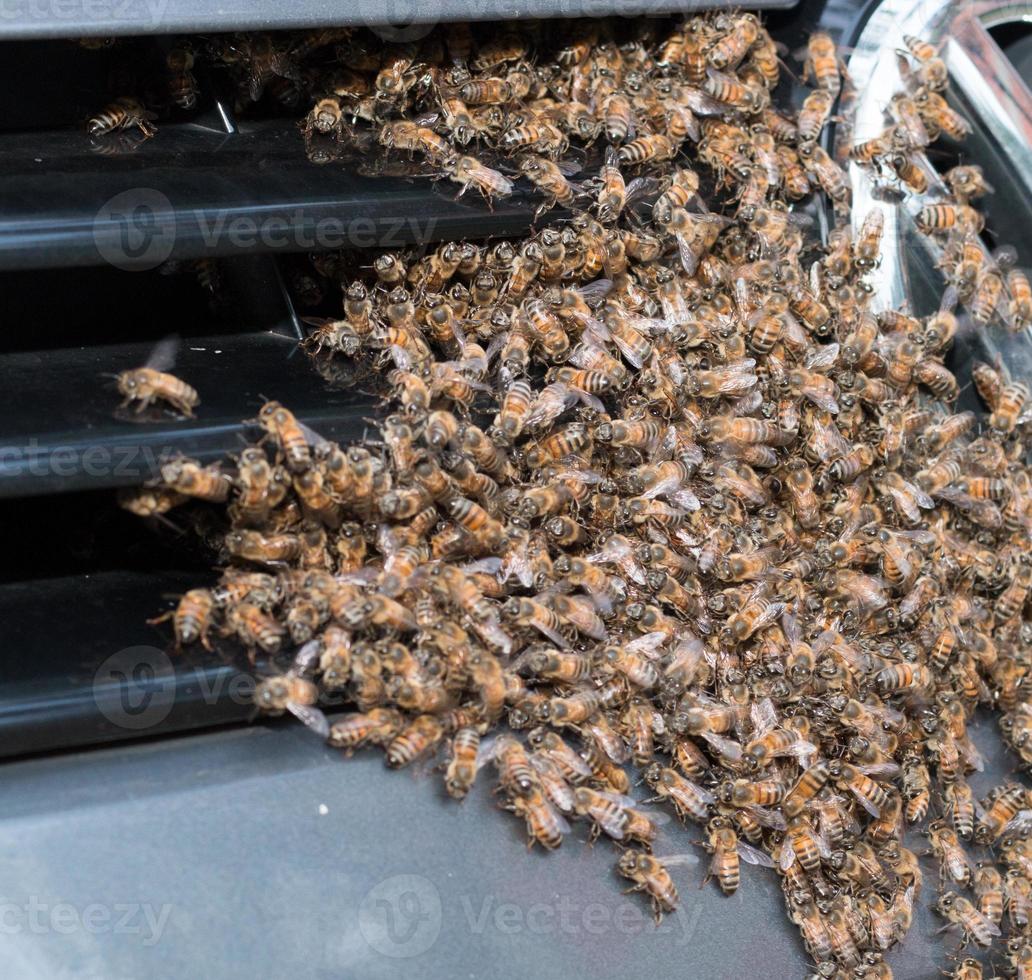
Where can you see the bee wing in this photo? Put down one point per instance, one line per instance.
(752, 855)
(627, 350)
(949, 300)
(764, 716)
(803, 751)
(583, 476)
(641, 187)
(822, 397)
(492, 633)
(1021, 822)
(906, 504)
(163, 356)
(972, 755)
(311, 436)
(727, 747)
(881, 770)
(306, 657)
(822, 358)
(517, 563)
(568, 167)
(561, 822)
(588, 399)
(663, 487)
(489, 749)
(490, 565)
(619, 799)
(922, 498)
(768, 818)
(686, 500)
(790, 625)
(768, 616)
(312, 717)
(648, 645)
(678, 860)
(689, 260)
(700, 103)
(686, 655)
(596, 291)
(555, 637)
(401, 357)
(867, 804)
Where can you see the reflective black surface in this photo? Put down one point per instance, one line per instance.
(65, 430)
(81, 664)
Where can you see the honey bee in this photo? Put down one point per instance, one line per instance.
(651, 876)
(727, 849)
(1008, 406)
(822, 63)
(973, 925)
(377, 727)
(127, 112)
(418, 738)
(462, 767)
(729, 50)
(967, 182)
(182, 84)
(189, 478)
(813, 114)
(470, 172)
(192, 619)
(152, 383)
(549, 178)
(1004, 807)
(953, 860)
(292, 692)
(654, 148)
(545, 825)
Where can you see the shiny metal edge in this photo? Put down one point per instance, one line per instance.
(1000, 100)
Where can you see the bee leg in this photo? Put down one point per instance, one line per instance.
(160, 619)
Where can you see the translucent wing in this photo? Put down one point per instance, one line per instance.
(163, 357)
(594, 292)
(751, 855)
(727, 747)
(764, 716)
(822, 357)
(768, 818)
(678, 860)
(1021, 822)
(313, 718)
(648, 644)
(306, 657)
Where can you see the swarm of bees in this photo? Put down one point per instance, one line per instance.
(655, 487)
